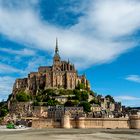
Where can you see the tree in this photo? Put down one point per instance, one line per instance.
(110, 98)
(77, 94)
(36, 103)
(95, 101)
(3, 112)
(52, 102)
(99, 97)
(22, 97)
(71, 103)
(92, 93)
(39, 98)
(84, 96)
(50, 92)
(86, 106)
(80, 85)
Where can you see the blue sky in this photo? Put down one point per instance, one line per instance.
(100, 36)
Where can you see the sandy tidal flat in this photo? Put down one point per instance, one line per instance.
(71, 134)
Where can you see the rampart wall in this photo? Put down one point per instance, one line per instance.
(66, 122)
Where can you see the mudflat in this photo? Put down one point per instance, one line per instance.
(71, 134)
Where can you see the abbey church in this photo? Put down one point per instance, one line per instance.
(62, 74)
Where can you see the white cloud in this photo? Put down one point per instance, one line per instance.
(115, 18)
(93, 40)
(128, 100)
(23, 52)
(35, 63)
(6, 84)
(133, 78)
(120, 98)
(8, 69)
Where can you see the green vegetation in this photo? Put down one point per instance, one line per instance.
(23, 97)
(92, 93)
(86, 105)
(76, 97)
(36, 103)
(52, 102)
(80, 86)
(110, 98)
(95, 101)
(10, 126)
(3, 110)
(71, 103)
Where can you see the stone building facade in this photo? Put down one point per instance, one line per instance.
(62, 74)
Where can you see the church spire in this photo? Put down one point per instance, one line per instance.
(56, 47)
(56, 57)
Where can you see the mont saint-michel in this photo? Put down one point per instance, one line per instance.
(62, 74)
(58, 97)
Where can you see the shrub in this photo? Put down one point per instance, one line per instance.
(71, 103)
(95, 101)
(84, 96)
(52, 102)
(86, 106)
(36, 103)
(22, 97)
(3, 112)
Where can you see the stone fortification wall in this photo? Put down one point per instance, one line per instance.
(135, 122)
(132, 122)
(97, 123)
(45, 123)
(106, 123)
(100, 123)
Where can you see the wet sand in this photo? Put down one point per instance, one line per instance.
(71, 134)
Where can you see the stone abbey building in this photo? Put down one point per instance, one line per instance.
(62, 74)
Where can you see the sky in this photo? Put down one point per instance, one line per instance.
(101, 37)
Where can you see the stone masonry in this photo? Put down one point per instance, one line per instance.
(62, 74)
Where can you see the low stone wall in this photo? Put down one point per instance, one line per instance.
(132, 122)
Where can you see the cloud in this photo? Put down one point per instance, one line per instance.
(35, 63)
(5, 69)
(115, 18)
(128, 100)
(94, 39)
(133, 78)
(23, 52)
(6, 84)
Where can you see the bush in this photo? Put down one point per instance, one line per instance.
(52, 102)
(71, 103)
(86, 106)
(110, 98)
(92, 93)
(50, 92)
(80, 86)
(95, 101)
(22, 97)
(84, 96)
(3, 112)
(77, 94)
(36, 103)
